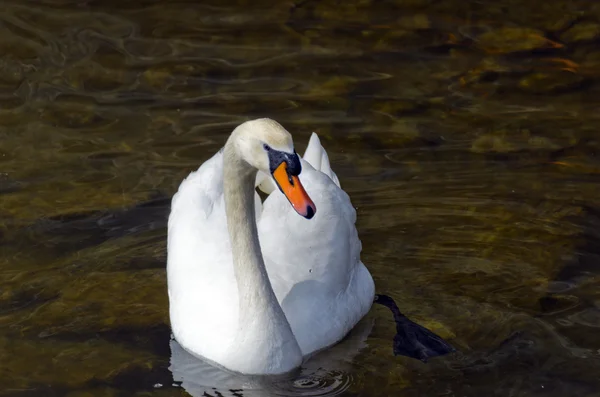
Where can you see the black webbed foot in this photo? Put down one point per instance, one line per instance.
(413, 340)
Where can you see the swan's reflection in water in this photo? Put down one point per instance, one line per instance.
(326, 374)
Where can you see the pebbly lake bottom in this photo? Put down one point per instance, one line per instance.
(465, 133)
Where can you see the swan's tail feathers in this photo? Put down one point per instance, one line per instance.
(264, 183)
(316, 155)
(413, 340)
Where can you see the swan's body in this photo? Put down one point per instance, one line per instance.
(262, 309)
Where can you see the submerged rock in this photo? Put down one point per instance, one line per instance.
(22, 291)
(102, 302)
(92, 76)
(492, 143)
(585, 31)
(8, 185)
(508, 140)
(73, 113)
(510, 39)
(28, 363)
(551, 82)
(12, 74)
(60, 199)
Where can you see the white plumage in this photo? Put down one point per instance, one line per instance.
(313, 265)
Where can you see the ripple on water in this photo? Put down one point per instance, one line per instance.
(319, 383)
(327, 374)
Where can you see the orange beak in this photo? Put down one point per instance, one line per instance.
(291, 187)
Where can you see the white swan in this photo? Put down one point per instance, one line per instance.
(263, 308)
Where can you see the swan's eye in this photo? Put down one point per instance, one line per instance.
(266, 147)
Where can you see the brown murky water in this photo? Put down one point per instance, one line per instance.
(465, 132)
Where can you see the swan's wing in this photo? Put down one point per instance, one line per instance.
(199, 263)
(314, 265)
(313, 151)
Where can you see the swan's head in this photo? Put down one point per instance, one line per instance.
(267, 146)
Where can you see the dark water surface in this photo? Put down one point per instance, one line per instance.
(465, 132)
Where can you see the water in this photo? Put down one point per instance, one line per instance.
(464, 132)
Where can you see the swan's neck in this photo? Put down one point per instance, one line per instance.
(253, 282)
(264, 333)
